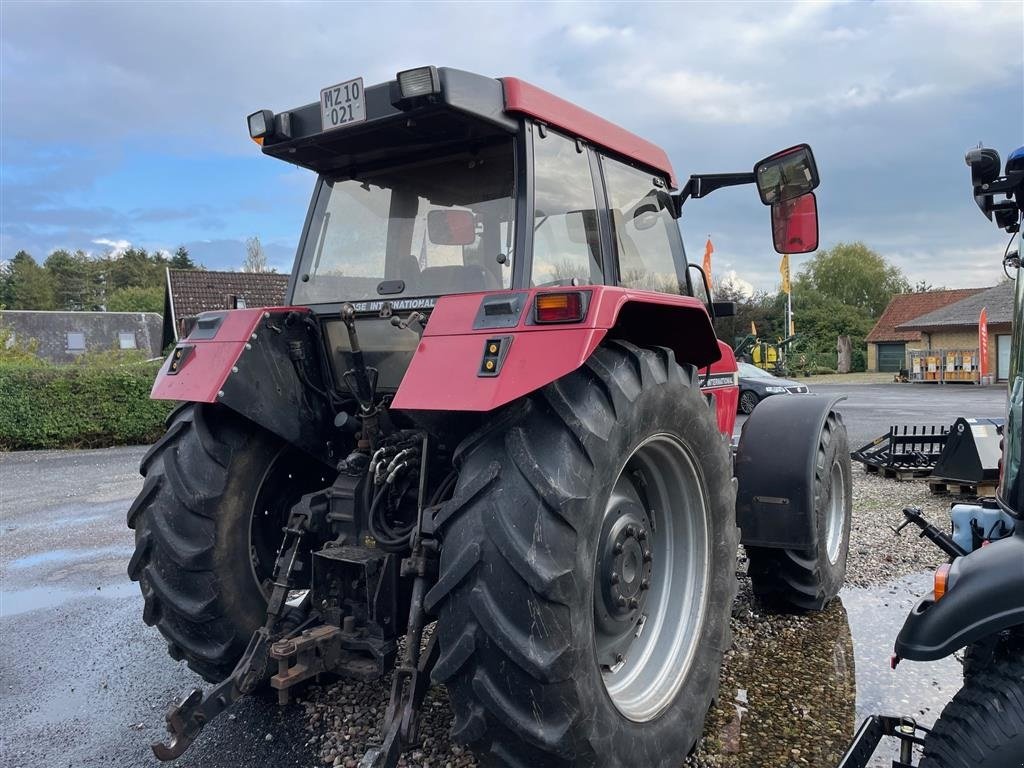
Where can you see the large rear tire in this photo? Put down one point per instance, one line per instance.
(207, 524)
(983, 726)
(588, 570)
(809, 579)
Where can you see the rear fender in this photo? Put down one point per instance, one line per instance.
(243, 359)
(985, 595)
(775, 465)
(447, 370)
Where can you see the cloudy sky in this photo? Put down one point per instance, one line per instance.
(125, 122)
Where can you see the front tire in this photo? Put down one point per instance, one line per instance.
(810, 579)
(983, 726)
(207, 524)
(562, 490)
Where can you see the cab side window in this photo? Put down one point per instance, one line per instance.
(566, 244)
(646, 237)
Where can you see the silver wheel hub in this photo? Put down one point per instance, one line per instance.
(651, 578)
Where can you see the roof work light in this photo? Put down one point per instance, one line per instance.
(416, 83)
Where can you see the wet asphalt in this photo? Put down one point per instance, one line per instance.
(83, 682)
(870, 409)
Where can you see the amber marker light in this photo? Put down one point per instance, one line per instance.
(941, 581)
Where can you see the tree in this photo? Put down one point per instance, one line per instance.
(181, 259)
(853, 275)
(255, 258)
(26, 285)
(74, 277)
(137, 299)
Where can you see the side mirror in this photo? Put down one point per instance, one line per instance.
(451, 227)
(795, 224)
(985, 165)
(786, 175)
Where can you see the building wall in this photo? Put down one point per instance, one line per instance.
(968, 339)
(100, 331)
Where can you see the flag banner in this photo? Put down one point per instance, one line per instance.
(753, 328)
(784, 271)
(983, 343)
(708, 250)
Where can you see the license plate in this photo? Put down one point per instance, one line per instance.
(342, 104)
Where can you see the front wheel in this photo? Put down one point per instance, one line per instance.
(588, 569)
(748, 400)
(983, 726)
(808, 579)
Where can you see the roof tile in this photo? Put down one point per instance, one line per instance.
(905, 307)
(200, 290)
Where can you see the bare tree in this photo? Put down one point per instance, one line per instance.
(255, 258)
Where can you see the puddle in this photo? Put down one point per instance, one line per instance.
(36, 598)
(795, 688)
(63, 556)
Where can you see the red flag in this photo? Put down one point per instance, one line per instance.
(983, 343)
(708, 250)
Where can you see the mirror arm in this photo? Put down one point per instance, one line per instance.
(703, 184)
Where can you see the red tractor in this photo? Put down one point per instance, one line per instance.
(492, 401)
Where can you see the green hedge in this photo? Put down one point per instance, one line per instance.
(73, 406)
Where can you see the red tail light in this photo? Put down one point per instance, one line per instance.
(558, 307)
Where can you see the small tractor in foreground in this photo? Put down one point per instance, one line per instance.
(492, 403)
(977, 605)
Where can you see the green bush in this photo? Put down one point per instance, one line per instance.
(78, 406)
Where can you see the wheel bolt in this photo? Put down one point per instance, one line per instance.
(642, 535)
(645, 584)
(618, 548)
(621, 601)
(614, 579)
(634, 603)
(648, 557)
(631, 531)
(619, 658)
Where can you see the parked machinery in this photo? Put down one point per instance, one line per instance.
(492, 401)
(978, 601)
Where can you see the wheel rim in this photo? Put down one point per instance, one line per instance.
(835, 515)
(287, 477)
(651, 578)
(748, 401)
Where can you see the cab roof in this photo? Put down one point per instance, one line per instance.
(466, 107)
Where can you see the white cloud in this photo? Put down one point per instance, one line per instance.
(115, 247)
(735, 284)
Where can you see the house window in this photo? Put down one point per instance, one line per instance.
(76, 341)
(126, 340)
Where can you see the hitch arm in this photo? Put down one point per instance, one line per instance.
(192, 713)
(942, 540)
(186, 720)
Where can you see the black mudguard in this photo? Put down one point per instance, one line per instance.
(775, 471)
(985, 596)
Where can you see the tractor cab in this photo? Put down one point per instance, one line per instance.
(445, 182)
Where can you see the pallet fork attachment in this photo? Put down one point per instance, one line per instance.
(871, 733)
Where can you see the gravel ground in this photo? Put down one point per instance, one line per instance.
(810, 689)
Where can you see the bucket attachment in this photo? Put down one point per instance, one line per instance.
(972, 452)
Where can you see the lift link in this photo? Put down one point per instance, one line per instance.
(192, 713)
(411, 677)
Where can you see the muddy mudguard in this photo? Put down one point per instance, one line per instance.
(775, 471)
(985, 595)
(259, 363)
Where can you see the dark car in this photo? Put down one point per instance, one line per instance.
(757, 384)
